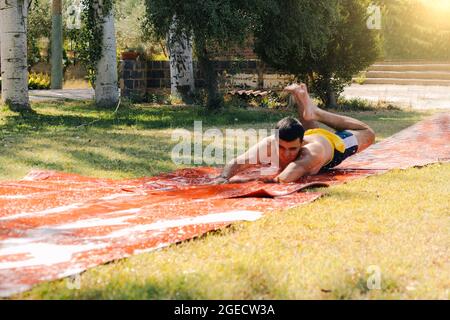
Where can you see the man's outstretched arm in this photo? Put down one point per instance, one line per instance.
(250, 158)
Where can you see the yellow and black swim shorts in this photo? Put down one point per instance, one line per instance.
(343, 142)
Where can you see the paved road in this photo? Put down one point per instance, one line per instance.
(52, 95)
(416, 97)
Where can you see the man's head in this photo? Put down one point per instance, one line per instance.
(291, 133)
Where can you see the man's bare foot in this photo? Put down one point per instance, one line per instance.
(297, 88)
(300, 91)
(292, 87)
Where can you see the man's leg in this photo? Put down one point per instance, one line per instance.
(311, 113)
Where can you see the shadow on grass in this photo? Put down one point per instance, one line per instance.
(50, 116)
(78, 137)
(73, 115)
(258, 284)
(115, 155)
(178, 287)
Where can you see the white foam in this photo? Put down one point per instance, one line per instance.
(43, 234)
(37, 242)
(228, 216)
(44, 253)
(120, 195)
(60, 208)
(19, 196)
(43, 212)
(99, 222)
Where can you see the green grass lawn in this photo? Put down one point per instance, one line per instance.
(397, 221)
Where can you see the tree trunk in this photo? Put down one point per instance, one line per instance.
(214, 101)
(182, 83)
(13, 34)
(260, 69)
(106, 89)
(57, 46)
(331, 101)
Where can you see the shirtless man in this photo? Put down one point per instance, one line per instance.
(304, 148)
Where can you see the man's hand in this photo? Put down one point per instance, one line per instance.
(268, 180)
(220, 180)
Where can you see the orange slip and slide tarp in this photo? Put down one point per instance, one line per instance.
(54, 224)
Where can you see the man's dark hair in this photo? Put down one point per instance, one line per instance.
(290, 129)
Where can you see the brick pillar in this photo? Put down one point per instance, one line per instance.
(133, 78)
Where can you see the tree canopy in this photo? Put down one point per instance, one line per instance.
(294, 33)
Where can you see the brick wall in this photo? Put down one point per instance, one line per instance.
(140, 77)
(133, 77)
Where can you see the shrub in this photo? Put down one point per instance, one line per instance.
(39, 81)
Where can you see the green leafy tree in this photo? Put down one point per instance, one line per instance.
(351, 48)
(294, 33)
(323, 43)
(213, 24)
(39, 26)
(129, 15)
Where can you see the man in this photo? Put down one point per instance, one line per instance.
(303, 147)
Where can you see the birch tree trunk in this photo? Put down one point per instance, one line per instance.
(106, 89)
(13, 34)
(182, 82)
(57, 46)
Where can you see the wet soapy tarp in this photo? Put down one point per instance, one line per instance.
(55, 224)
